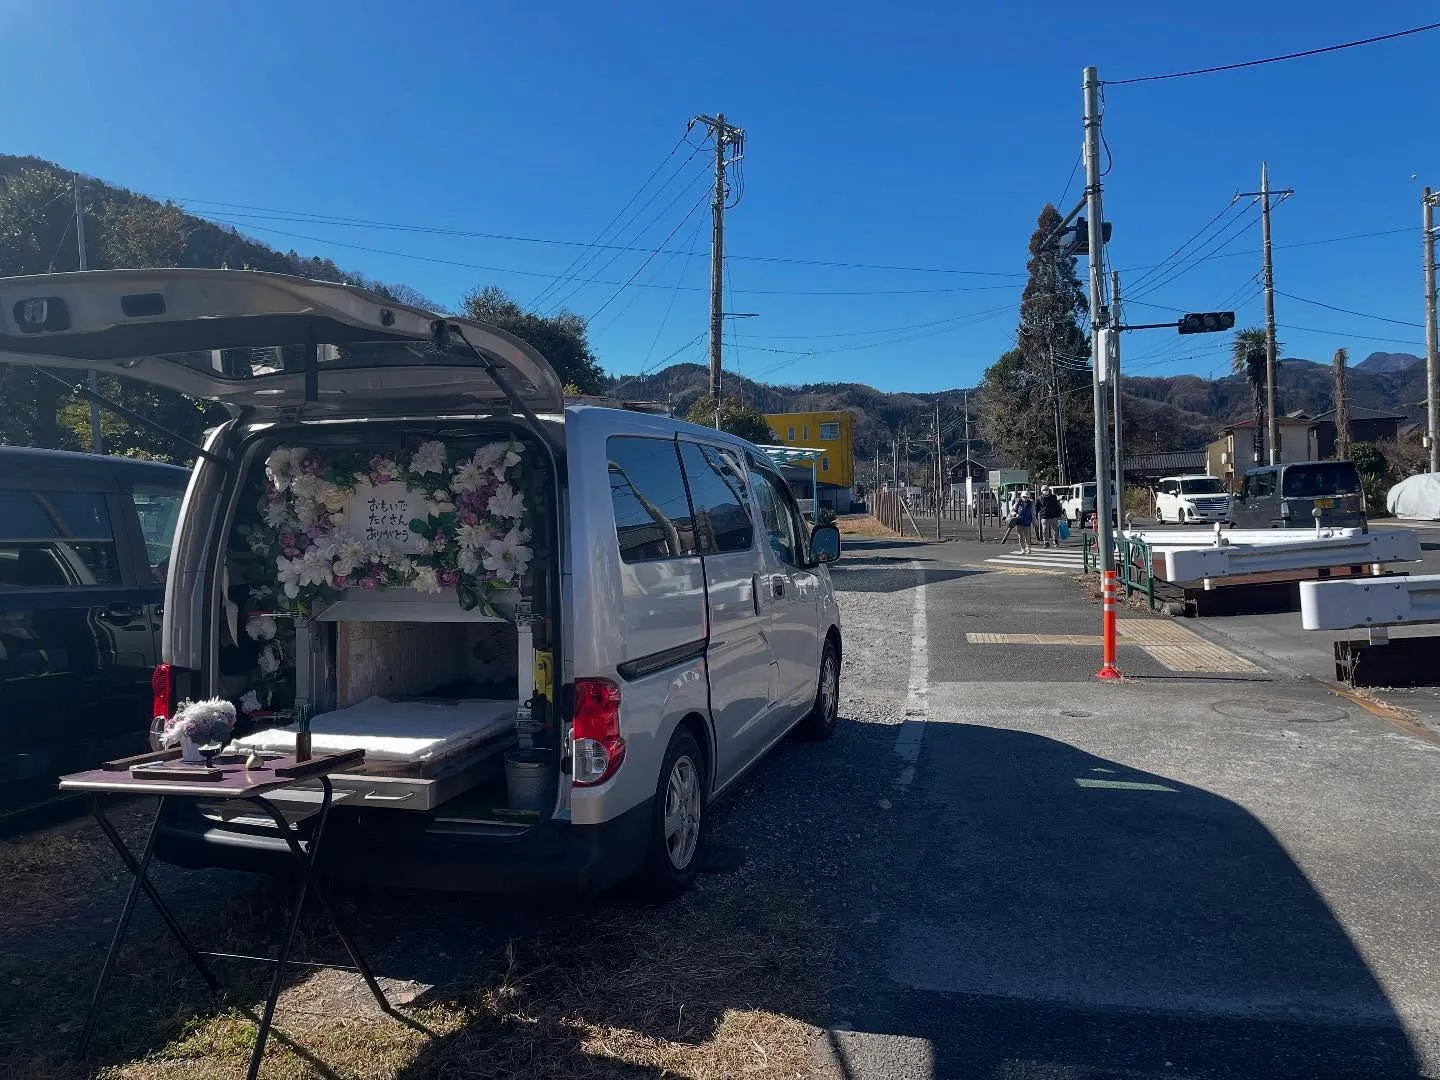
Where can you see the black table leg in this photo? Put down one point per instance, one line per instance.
(150, 891)
(126, 912)
(306, 862)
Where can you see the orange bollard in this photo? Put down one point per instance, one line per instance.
(1108, 589)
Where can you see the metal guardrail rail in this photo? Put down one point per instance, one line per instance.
(1301, 553)
(1363, 603)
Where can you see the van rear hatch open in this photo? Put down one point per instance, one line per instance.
(270, 343)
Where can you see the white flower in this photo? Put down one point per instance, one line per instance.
(498, 457)
(430, 458)
(467, 477)
(507, 556)
(269, 659)
(349, 556)
(468, 561)
(260, 627)
(307, 512)
(426, 580)
(470, 537)
(506, 502)
(309, 487)
(283, 465)
(274, 512)
(333, 496)
(312, 568)
(288, 573)
(337, 520)
(250, 702)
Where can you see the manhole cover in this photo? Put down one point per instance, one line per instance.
(1280, 712)
(1074, 712)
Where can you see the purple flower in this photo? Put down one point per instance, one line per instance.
(369, 583)
(449, 578)
(470, 518)
(287, 539)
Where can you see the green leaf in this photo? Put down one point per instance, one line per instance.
(469, 596)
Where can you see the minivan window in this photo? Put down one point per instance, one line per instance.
(1260, 484)
(652, 512)
(158, 507)
(1206, 485)
(724, 520)
(1321, 479)
(56, 539)
(776, 520)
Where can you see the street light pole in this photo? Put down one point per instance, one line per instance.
(1432, 376)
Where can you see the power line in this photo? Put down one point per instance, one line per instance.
(1154, 270)
(690, 213)
(1347, 334)
(262, 213)
(1222, 239)
(620, 213)
(1348, 311)
(1276, 59)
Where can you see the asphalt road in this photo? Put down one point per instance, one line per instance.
(1198, 876)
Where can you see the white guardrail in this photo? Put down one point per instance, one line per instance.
(1360, 603)
(1170, 540)
(1297, 553)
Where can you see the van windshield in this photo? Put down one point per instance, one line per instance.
(1321, 479)
(1205, 485)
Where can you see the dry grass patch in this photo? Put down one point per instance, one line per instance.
(725, 982)
(864, 527)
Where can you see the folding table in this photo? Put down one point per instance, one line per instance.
(228, 781)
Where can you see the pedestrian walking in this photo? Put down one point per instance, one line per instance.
(1050, 512)
(1022, 520)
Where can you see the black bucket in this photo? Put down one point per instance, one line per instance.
(527, 780)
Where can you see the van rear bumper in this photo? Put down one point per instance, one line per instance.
(554, 856)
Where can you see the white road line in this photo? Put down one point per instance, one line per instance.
(917, 697)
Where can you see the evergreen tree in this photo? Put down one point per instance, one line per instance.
(1048, 367)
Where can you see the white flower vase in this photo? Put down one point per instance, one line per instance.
(190, 751)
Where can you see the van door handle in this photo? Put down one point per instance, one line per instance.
(755, 592)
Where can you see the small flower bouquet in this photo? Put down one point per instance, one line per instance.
(199, 723)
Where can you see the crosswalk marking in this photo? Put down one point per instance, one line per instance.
(1059, 560)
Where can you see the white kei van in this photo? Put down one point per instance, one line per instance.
(557, 633)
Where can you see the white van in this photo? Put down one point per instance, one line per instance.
(557, 633)
(1183, 499)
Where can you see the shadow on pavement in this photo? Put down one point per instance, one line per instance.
(1061, 914)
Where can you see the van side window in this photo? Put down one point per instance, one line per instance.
(158, 508)
(776, 521)
(1264, 484)
(724, 519)
(652, 512)
(56, 540)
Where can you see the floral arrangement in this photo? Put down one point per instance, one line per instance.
(469, 534)
(201, 722)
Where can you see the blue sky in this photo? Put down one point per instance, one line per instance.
(911, 135)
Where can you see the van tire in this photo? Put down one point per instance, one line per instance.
(682, 780)
(820, 722)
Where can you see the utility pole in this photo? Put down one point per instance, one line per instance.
(939, 471)
(1432, 375)
(1095, 222)
(1268, 270)
(97, 438)
(895, 462)
(725, 135)
(1117, 321)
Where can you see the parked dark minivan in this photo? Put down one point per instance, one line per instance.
(1286, 497)
(84, 547)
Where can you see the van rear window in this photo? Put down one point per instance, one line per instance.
(1321, 479)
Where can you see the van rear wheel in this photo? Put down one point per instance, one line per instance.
(676, 819)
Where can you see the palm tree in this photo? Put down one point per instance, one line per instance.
(1247, 358)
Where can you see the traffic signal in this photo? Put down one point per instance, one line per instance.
(1076, 239)
(1206, 322)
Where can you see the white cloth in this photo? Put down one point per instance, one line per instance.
(1416, 497)
(408, 731)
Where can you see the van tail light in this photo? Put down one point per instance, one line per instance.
(595, 734)
(162, 698)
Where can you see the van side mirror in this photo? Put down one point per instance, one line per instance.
(824, 544)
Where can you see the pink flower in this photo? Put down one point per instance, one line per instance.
(287, 539)
(369, 583)
(345, 583)
(469, 518)
(449, 578)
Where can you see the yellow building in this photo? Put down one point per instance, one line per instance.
(832, 433)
